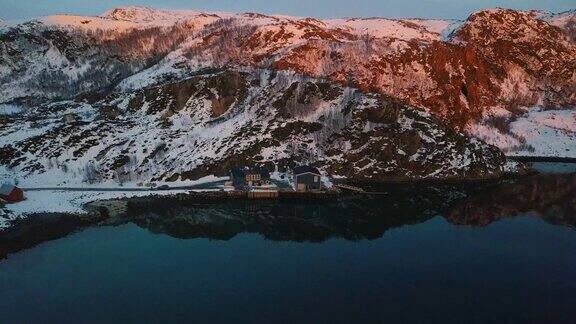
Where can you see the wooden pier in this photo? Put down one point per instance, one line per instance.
(263, 194)
(345, 187)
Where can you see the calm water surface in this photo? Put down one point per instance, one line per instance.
(505, 253)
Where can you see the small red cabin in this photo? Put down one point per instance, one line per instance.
(11, 193)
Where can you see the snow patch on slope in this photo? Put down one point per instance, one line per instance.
(133, 17)
(124, 19)
(10, 109)
(561, 19)
(138, 14)
(87, 22)
(404, 29)
(542, 133)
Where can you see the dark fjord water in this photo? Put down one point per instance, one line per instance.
(499, 253)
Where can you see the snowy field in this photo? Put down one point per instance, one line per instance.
(10, 109)
(73, 201)
(61, 201)
(538, 133)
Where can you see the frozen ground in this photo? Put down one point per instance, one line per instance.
(73, 201)
(538, 133)
(10, 109)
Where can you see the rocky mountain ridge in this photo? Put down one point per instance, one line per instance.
(496, 58)
(143, 94)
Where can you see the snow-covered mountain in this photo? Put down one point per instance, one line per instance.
(565, 21)
(208, 123)
(39, 63)
(164, 94)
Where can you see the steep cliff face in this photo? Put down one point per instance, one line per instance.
(528, 61)
(209, 123)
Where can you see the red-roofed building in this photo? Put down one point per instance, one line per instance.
(11, 193)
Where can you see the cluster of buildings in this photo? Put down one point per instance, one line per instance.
(306, 178)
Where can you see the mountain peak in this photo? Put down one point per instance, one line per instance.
(132, 13)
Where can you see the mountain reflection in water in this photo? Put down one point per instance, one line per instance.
(551, 197)
(361, 217)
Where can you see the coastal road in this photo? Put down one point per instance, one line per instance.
(207, 185)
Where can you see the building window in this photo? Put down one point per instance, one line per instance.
(316, 179)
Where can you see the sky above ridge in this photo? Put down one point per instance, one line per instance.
(457, 9)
